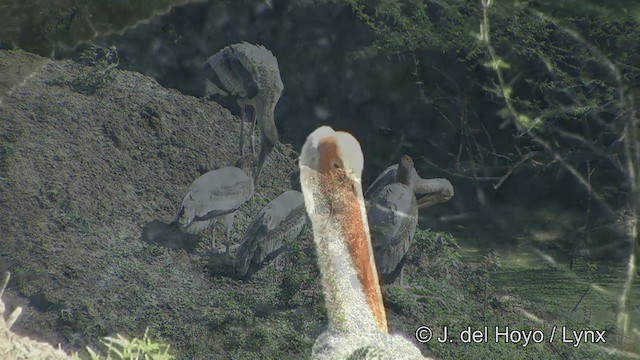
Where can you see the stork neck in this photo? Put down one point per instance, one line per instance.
(403, 175)
(266, 121)
(350, 281)
(428, 186)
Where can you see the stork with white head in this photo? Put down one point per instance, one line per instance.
(330, 171)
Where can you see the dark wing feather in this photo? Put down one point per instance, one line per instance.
(388, 176)
(265, 237)
(214, 194)
(393, 218)
(389, 278)
(230, 73)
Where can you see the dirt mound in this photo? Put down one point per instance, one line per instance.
(16, 347)
(86, 162)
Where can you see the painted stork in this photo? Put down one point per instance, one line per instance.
(393, 213)
(280, 221)
(330, 169)
(250, 72)
(433, 191)
(214, 195)
(393, 218)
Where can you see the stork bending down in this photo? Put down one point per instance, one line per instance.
(250, 72)
(214, 195)
(330, 168)
(280, 221)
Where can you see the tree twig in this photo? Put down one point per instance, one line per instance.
(581, 298)
(511, 169)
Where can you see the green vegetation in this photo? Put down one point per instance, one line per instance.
(448, 291)
(119, 348)
(101, 62)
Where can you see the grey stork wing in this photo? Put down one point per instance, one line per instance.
(390, 212)
(195, 209)
(254, 235)
(389, 274)
(381, 223)
(393, 218)
(215, 193)
(282, 219)
(232, 73)
(211, 84)
(258, 52)
(387, 177)
(262, 65)
(226, 199)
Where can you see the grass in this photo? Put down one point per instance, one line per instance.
(584, 297)
(119, 348)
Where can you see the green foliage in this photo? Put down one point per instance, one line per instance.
(403, 26)
(468, 298)
(299, 276)
(400, 300)
(119, 348)
(440, 249)
(101, 64)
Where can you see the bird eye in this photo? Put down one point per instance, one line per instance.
(337, 164)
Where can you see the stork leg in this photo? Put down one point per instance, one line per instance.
(228, 225)
(253, 133)
(402, 277)
(265, 148)
(213, 237)
(242, 119)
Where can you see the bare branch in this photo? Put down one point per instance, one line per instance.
(513, 168)
(515, 116)
(594, 149)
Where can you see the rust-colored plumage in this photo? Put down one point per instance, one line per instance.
(330, 171)
(345, 199)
